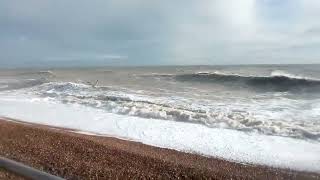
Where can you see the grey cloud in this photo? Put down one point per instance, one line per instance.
(145, 32)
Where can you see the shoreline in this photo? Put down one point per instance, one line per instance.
(229, 144)
(88, 156)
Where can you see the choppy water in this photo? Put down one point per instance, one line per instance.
(273, 100)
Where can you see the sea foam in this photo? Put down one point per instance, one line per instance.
(222, 143)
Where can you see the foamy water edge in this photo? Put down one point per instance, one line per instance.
(222, 143)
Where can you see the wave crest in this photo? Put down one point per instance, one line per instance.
(277, 81)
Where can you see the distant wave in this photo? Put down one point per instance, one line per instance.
(40, 73)
(26, 80)
(21, 84)
(278, 81)
(157, 75)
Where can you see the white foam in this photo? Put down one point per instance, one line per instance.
(229, 144)
(285, 74)
(268, 114)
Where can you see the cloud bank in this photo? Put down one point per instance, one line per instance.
(143, 32)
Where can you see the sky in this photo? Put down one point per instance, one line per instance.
(158, 32)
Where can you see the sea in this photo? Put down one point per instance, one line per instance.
(261, 114)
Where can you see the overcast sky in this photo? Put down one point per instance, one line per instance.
(158, 32)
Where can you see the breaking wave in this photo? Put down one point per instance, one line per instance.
(125, 103)
(277, 81)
